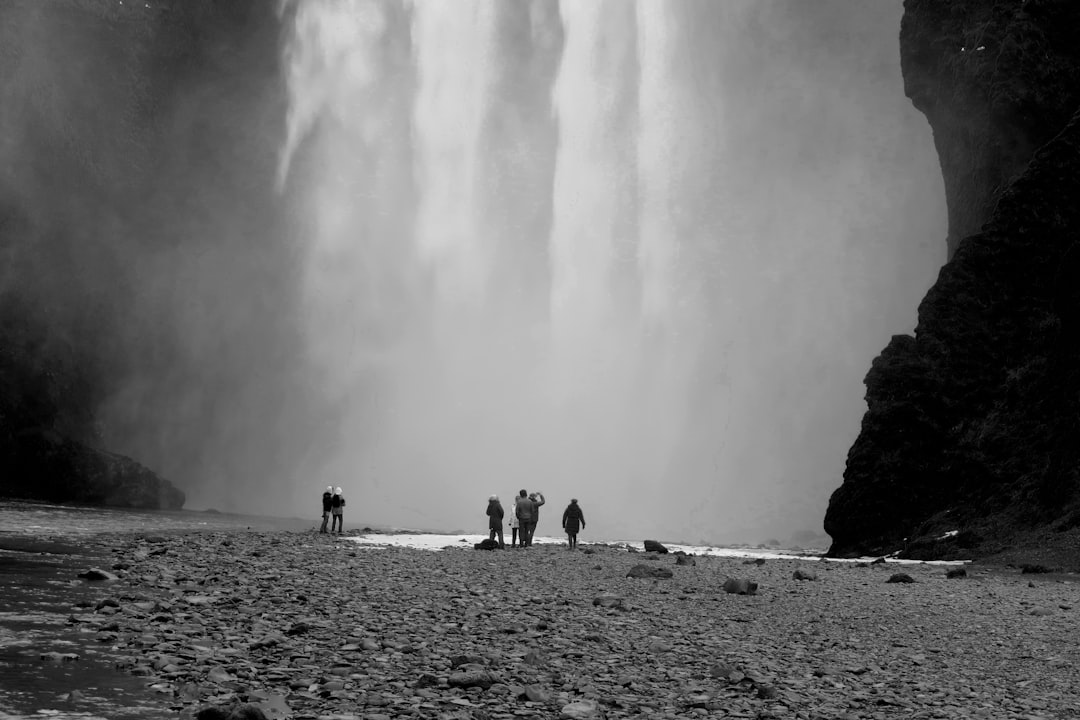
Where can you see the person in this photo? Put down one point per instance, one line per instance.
(495, 515)
(514, 524)
(327, 500)
(523, 510)
(337, 509)
(537, 500)
(571, 518)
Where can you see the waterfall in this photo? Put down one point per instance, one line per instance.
(540, 250)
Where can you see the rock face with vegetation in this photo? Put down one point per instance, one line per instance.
(969, 445)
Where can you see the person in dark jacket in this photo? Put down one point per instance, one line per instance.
(537, 500)
(327, 498)
(572, 517)
(495, 517)
(523, 509)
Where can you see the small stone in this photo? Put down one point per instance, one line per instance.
(581, 710)
(609, 600)
(801, 574)
(97, 575)
(648, 571)
(900, 578)
(740, 586)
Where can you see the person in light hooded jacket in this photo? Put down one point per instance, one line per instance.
(337, 510)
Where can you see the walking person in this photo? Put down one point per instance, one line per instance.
(523, 510)
(537, 500)
(495, 515)
(327, 500)
(337, 510)
(571, 518)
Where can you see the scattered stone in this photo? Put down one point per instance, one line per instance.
(97, 575)
(754, 561)
(237, 712)
(648, 571)
(472, 677)
(655, 547)
(1028, 569)
(580, 710)
(740, 586)
(609, 600)
(900, 578)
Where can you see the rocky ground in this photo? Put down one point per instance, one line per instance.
(313, 627)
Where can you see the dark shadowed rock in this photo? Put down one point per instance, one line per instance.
(801, 574)
(43, 465)
(649, 571)
(237, 712)
(956, 573)
(487, 544)
(685, 560)
(97, 575)
(900, 578)
(655, 547)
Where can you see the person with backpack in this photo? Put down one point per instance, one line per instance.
(495, 515)
(571, 518)
(327, 504)
(523, 510)
(337, 509)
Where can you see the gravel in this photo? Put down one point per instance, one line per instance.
(314, 627)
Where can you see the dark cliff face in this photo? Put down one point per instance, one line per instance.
(996, 79)
(129, 133)
(972, 424)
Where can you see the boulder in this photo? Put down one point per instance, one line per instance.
(488, 544)
(654, 546)
(801, 574)
(685, 560)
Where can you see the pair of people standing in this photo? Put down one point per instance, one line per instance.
(333, 506)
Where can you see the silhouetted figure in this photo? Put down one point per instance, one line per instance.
(337, 510)
(495, 515)
(537, 500)
(523, 510)
(572, 517)
(327, 503)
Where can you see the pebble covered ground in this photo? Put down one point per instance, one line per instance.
(315, 627)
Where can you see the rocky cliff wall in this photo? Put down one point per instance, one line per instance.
(129, 132)
(968, 447)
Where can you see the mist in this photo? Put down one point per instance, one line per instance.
(640, 254)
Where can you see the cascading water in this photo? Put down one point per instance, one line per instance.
(540, 252)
